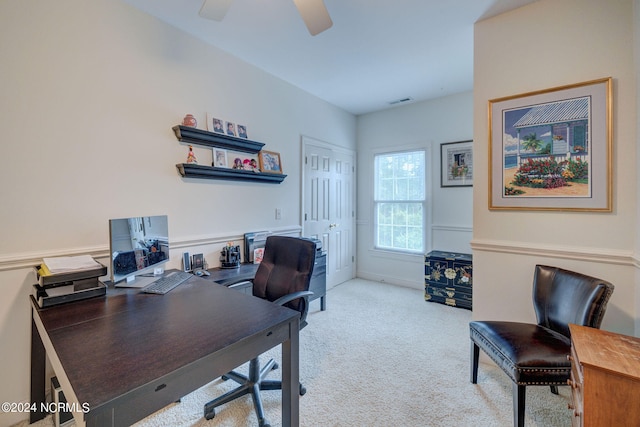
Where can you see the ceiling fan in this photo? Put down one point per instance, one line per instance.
(314, 13)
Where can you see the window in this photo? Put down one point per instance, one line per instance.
(399, 201)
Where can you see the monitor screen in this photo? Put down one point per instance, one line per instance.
(138, 246)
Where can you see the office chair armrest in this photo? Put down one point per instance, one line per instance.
(294, 296)
(288, 298)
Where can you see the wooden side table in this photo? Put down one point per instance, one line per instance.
(605, 378)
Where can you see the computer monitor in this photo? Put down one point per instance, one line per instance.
(139, 247)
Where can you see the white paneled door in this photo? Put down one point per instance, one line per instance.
(329, 205)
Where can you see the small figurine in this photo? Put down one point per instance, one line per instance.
(191, 158)
(190, 121)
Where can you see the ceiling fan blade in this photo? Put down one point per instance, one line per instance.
(214, 9)
(314, 14)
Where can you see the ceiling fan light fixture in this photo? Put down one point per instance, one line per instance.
(315, 15)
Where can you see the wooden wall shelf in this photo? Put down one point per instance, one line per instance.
(211, 139)
(189, 170)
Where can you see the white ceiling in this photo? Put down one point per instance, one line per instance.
(377, 51)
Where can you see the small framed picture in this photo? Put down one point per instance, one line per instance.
(230, 129)
(214, 124)
(258, 255)
(270, 162)
(242, 131)
(456, 169)
(197, 262)
(220, 158)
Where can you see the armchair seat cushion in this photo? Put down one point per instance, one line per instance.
(541, 361)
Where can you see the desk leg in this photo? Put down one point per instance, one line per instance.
(291, 378)
(38, 361)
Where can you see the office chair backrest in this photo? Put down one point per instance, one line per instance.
(561, 297)
(285, 268)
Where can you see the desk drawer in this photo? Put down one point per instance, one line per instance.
(157, 394)
(576, 383)
(318, 283)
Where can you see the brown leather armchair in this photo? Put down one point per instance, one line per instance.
(283, 277)
(536, 354)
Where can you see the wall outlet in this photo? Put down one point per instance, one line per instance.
(278, 213)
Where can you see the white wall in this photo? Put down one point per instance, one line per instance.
(88, 96)
(543, 45)
(421, 125)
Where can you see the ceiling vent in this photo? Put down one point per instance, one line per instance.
(401, 101)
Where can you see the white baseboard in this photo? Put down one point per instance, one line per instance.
(391, 280)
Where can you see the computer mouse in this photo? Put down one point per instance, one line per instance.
(201, 273)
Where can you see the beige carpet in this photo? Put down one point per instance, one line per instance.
(381, 356)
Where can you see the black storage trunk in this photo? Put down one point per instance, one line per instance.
(448, 278)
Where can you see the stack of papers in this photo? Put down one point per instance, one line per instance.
(66, 264)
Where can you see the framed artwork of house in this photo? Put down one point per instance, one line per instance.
(456, 164)
(551, 149)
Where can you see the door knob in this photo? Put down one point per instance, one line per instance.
(332, 226)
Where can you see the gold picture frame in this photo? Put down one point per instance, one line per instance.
(552, 149)
(270, 162)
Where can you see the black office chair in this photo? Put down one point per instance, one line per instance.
(536, 354)
(283, 278)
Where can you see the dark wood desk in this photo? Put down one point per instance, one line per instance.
(130, 354)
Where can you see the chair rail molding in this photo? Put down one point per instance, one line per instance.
(31, 259)
(458, 228)
(607, 256)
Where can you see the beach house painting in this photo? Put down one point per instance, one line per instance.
(551, 149)
(546, 150)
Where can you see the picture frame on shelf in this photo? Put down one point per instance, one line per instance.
(230, 129)
(215, 124)
(456, 164)
(552, 149)
(242, 131)
(270, 162)
(220, 158)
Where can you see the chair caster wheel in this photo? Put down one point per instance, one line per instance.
(263, 423)
(275, 366)
(210, 415)
(224, 378)
(302, 390)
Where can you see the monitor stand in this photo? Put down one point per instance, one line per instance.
(137, 281)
